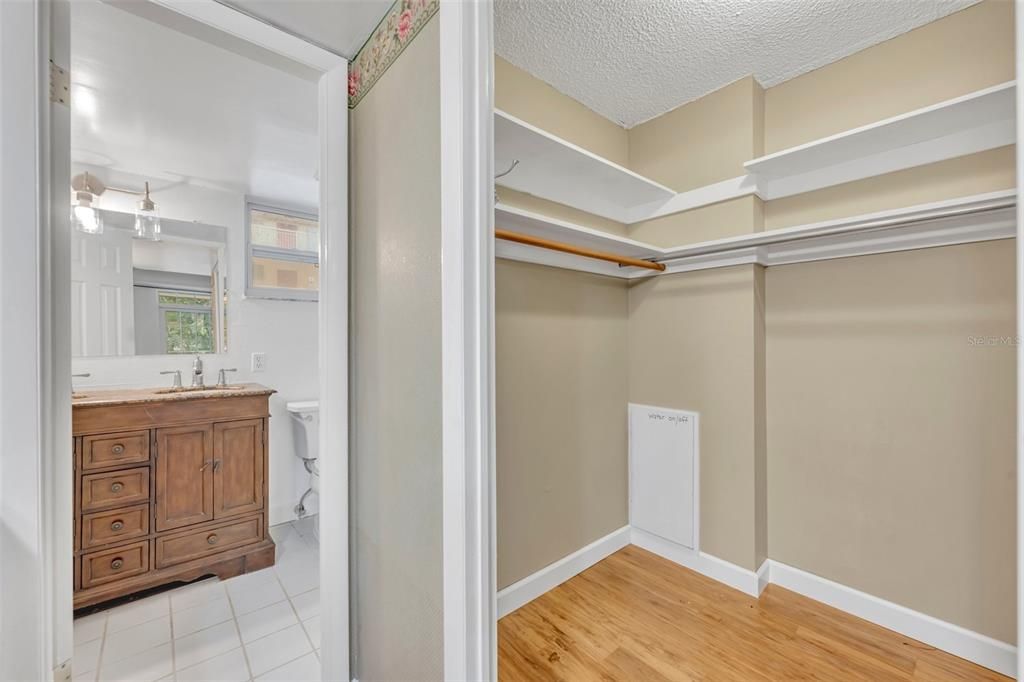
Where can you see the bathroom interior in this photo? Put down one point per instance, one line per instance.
(194, 340)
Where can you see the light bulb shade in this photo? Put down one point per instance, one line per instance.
(87, 219)
(147, 225)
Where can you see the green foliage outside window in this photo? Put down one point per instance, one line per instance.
(188, 320)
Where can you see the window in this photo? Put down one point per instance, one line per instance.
(186, 322)
(283, 253)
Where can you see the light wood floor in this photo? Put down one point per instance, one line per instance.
(637, 617)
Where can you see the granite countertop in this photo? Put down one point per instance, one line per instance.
(87, 397)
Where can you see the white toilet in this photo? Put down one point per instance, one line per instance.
(306, 436)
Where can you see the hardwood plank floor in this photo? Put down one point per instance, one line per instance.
(638, 617)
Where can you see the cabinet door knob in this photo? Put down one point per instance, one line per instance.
(117, 525)
(212, 539)
(117, 563)
(117, 449)
(116, 487)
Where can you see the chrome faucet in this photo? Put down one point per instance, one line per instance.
(197, 373)
(222, 378)
(177, 377)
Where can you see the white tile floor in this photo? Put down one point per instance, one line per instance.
(258, 626)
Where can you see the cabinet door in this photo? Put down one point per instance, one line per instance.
(184, 476)
(238, 478)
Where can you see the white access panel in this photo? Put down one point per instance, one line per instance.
(664, 473)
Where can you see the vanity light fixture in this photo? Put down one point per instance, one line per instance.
(147, 220)
(84, 216)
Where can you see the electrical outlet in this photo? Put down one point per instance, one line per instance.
(259, 362)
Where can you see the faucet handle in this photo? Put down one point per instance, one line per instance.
(222, 379)
(177, 377)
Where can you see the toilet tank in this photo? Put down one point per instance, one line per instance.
(305, 418)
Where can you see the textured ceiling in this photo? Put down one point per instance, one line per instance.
(632, 60)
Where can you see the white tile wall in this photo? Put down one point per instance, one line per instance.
(262, 625)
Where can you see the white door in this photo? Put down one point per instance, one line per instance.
(101, 293)
(663, 473)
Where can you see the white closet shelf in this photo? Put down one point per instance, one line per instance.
(982, 217)
(964, 125)
(555, 169)
(537, 225)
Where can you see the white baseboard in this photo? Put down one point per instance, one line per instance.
(550, 577)
(763, 576)
(966, 644)
(730, 574)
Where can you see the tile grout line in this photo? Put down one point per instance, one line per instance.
(238, 630)
(296, 612)
(99, 656)
(174, 661)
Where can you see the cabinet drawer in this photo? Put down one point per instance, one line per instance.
(116, 525)
(108, 565)
(199, 543)
(112, 449)
(127, 486)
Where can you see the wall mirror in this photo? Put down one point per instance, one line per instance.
(163, 296)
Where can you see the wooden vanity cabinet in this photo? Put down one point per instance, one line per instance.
(168, 489)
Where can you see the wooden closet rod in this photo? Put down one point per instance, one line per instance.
(579, 251)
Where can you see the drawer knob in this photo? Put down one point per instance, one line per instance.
(116, 487)
(117, 563)
(117, 525)
(117, 449)
(212, 539)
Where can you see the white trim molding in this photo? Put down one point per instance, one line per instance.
(548, 578)
(962, 220)
(333, 309)
(467, 341)
(969, 645)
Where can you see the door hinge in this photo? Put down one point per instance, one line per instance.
(60, 85)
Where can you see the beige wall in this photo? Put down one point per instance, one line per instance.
(534, 101)
(702, 142)
(891, 434)
(697, 144)
(956, 55)
(396, 370)
(561, 413)
(692, 340)
(528, 202)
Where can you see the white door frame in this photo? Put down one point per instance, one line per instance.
(35, 359)
(467, 339)
(35, 363)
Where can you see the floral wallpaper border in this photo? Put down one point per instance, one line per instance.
(394, 32)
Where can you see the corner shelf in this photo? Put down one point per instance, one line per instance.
(557, 170)
(552, 168)
(983, 217)
(964, 125)
(537, 225)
